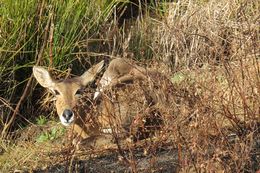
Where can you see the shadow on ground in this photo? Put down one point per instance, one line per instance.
(164, 160)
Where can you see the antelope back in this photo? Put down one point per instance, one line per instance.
(125, 110)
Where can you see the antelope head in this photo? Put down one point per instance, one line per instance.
(68, 91)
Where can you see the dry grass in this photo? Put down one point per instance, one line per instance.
(210, 50)
(213, 123)
(219, 124)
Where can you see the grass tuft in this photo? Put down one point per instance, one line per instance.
(209, 49)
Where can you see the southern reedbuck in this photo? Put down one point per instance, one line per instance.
(125, 98)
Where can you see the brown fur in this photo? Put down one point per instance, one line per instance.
(124, 108)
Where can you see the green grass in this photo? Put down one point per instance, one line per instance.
(49, 32)
(209, 49)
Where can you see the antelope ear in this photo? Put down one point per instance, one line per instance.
(43, 77)
(91, 73)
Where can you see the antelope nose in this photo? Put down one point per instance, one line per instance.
(67, 114)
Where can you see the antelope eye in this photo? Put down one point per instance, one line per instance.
(79, 92)
(56, 92)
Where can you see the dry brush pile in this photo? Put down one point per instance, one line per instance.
(210, 52)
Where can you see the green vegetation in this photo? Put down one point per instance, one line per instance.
(48, 33)
(50, 136)
(210, 50)
(41, 120)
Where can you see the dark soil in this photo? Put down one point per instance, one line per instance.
(164, 160)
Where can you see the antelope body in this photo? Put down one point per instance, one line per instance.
(112, 106)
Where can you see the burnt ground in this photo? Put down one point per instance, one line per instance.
(56, 156)
(163, 160)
